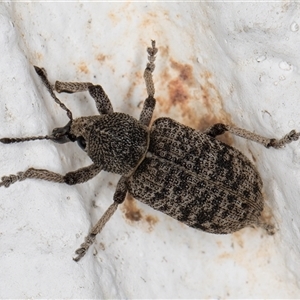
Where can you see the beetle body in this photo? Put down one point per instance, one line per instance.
(188, 175)
(197, 180)
(176, 170)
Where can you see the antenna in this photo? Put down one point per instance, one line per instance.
(43, 75)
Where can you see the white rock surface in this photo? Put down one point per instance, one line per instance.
(231, 62)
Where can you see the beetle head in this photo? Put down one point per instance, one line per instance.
(65, 134)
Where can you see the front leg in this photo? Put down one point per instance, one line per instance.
(147, 111)
(78, 176)
(119, 197)
(103, 103)
(149, 105)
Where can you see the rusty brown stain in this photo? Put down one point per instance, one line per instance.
(191, 99)
(178, 87)
(178, 93)
(151, 18)
(151, 220)
(83, 68)
(164, 51)
(101, 57)
(185, 72)
(134, 214)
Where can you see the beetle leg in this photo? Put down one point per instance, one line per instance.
(149, 104)
(103, 103)
(288, 138)
(216, 129)
(89, 240)
(149, 70)
(71, 87)
(119, 197)
(78, 176)
(219, 128)
(147, 112)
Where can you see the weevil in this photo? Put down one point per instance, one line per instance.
(186, 174)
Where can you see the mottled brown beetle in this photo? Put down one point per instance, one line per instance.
(175, 169)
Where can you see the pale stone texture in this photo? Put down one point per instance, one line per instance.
(231, 62)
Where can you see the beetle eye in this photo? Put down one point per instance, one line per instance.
(72, 137)
(81, 142)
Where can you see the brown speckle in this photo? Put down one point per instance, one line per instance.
(132, 212)
(83, 68)
(178, 93)
(151, 220)
(101, 57)
(185, 72)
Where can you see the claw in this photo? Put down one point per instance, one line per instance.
(89, 240)
(293, 135)
(79, 256)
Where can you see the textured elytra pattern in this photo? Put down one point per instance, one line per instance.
(117, 142)
(197, 180)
